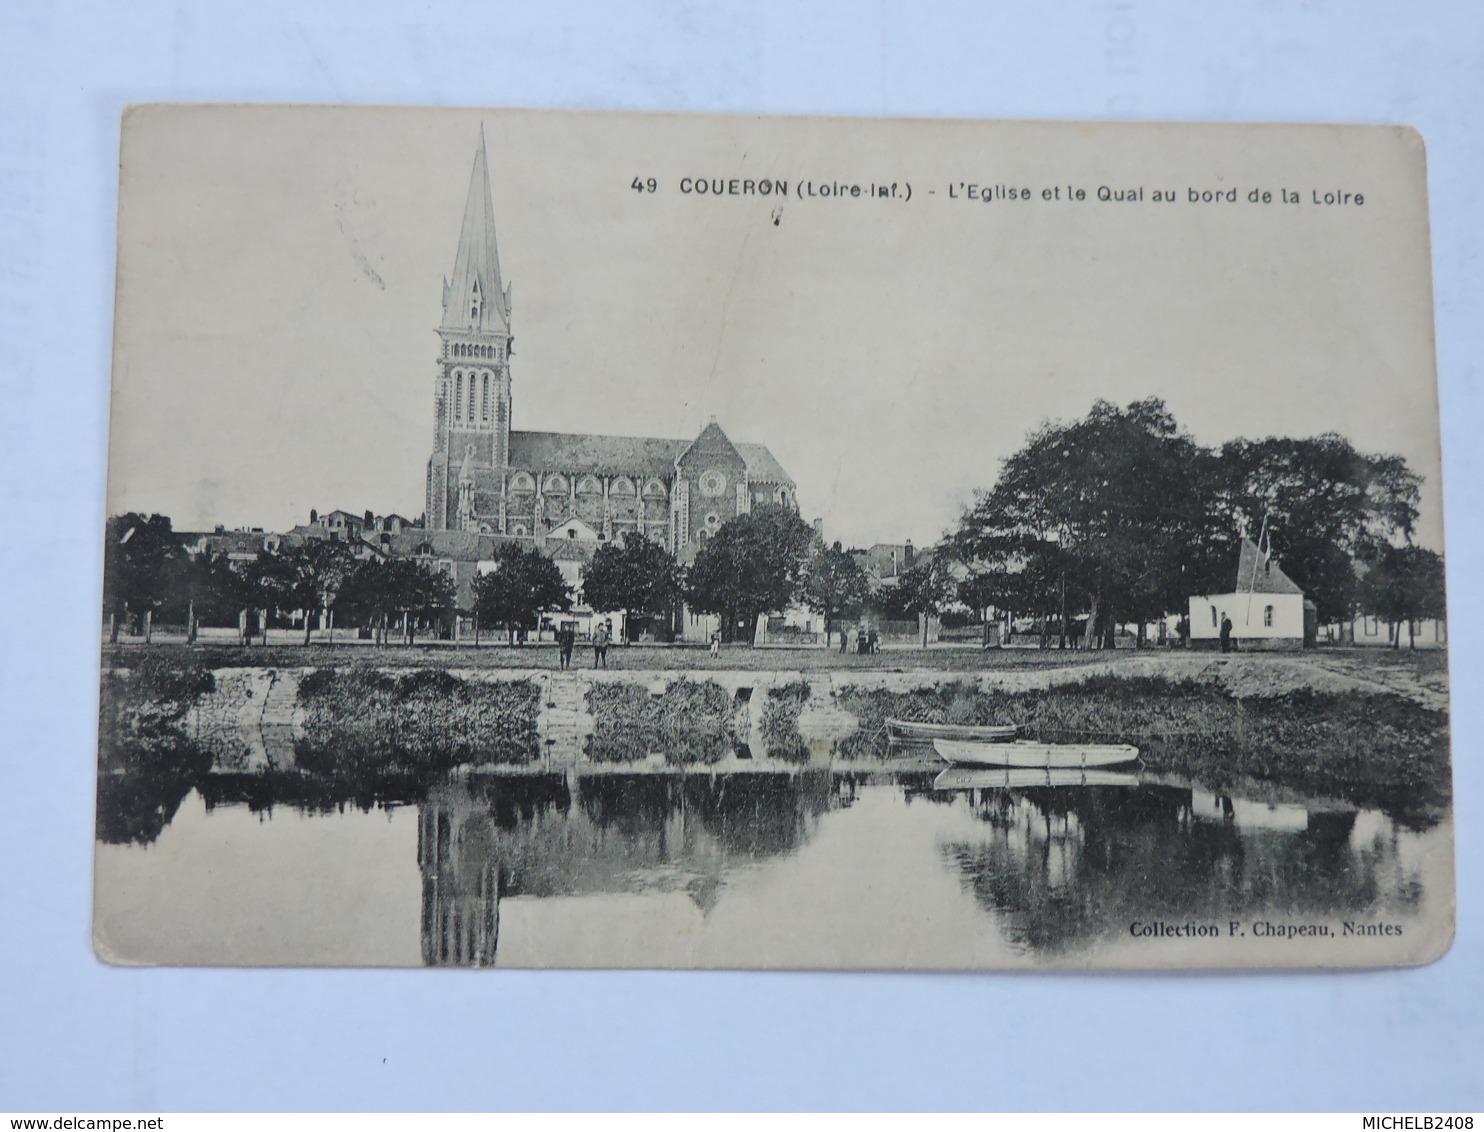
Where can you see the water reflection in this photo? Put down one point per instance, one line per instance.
(1067, 865)
(546, 836)
(948, 868)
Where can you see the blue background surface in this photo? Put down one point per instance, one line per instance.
(77, 1035)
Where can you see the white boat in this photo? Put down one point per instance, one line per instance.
(926, 732)
(1024, 754)
(1021, 778)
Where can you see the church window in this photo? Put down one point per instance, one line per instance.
(458, 397)
(471, 398)
(1267, 617)
(484, 399)
(519, 530)
(1213, 617)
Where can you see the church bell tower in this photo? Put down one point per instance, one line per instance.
(471, 400)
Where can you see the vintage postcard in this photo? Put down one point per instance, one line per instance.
(601, 540)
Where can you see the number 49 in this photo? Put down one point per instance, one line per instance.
(648, 185)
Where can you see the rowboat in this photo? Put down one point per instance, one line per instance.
(927, 732)
(1022, 778)
(1022, 754)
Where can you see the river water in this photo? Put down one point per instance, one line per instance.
(771, 867)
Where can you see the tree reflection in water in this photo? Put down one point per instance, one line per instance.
(1056, 868)
(1064, 866)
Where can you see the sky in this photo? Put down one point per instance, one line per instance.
(280, 276)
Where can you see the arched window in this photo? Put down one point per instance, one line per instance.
(1213, 617)
(458, 396)
(484, 399)
(1267, 616)
(471, 398)
(519, 530)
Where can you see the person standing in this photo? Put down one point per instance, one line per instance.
(716, 642)
(873, 642)
(567, 639)
(1226, 633)
(844, 639)
(860, 641)
(600, 646)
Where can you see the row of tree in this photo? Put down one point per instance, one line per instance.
(1120, 517)
(758, 563)
(1113, 519)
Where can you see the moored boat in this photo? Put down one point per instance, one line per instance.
(907, 729)
(1026, 754)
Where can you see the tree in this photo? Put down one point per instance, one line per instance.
(277, 582)
(141, 557)
(1403, 584)
(927, 587)
(307, 578)
(209, 588)
(834, 586)
(523, 584)
(1325, 506)
(636, 575)
(377, 590)
(753, 565)
(1107, 515)
(330, 565)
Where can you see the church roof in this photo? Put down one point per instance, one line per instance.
(761, 466)
(712, 443)
(476, 267)
(630, 455)
(587, 452)
(1259, 574)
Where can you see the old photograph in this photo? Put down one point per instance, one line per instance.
(554, 539)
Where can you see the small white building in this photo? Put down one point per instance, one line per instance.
(1266, 608)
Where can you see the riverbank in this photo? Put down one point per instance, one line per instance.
(1375, 736)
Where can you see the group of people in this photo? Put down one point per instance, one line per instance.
(602, 637)
(867, 641)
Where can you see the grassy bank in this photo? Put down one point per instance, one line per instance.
(147, 763)
(141, 713)
(690, 723)
(360, 720)
(1380, 751)
(779, 724)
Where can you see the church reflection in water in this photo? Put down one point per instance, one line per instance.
(1056, 867)
(481, 841)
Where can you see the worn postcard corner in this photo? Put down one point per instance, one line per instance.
(611, 540)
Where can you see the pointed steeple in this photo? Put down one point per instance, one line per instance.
(475, 297)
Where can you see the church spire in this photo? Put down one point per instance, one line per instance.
(475, 298)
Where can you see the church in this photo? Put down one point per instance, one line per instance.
(486, 478)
